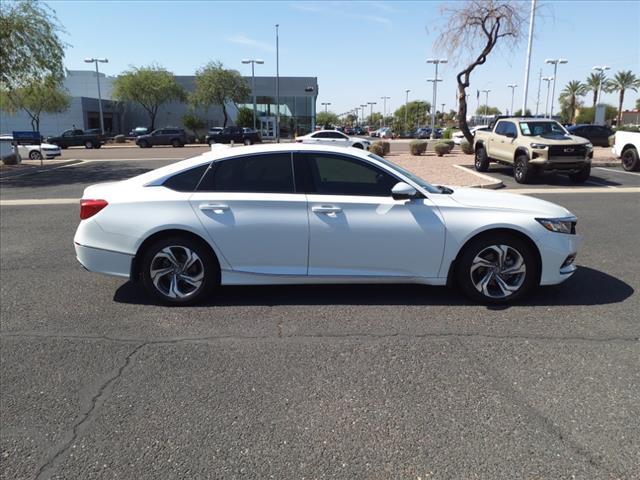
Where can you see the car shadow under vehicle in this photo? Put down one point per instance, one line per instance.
(587, 287)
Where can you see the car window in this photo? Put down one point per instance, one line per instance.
(336, 135)
(186, 181)
(268, 173)
(501, 128)
(510, 129)
(340, 175)
(320, 135)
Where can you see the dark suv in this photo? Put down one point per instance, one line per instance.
(597, 134)
(175, 137)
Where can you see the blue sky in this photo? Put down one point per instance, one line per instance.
(359, 50)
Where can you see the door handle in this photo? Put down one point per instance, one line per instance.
(327, 209)
(214, 207)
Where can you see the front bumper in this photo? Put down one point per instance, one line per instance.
(104, 261)
(555, 248)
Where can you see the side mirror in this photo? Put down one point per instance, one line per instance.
(403, 191)
(511, 134)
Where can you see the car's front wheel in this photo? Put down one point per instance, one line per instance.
(522, 170)
(497, 268)
(247, 141)
(35, 155)
(482, 160)
(88, 144)
(630, 160)
(179, 270)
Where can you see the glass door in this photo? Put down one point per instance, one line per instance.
(268, 127)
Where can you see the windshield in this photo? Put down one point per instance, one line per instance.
(534, 129)
(417, 180)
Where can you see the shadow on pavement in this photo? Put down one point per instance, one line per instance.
(86, 174)
(502, 172)
(587, 287)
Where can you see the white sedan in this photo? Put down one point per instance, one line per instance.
(34, 152)
(310, 214)
(458, 136)
(334, 138)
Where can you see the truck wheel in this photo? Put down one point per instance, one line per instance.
(630, 160)
(88, 144)
(482, 160)
(175, 143)
(247, 141)
(581, 176)
(522, 171)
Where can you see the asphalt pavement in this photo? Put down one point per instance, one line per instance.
(383, 381)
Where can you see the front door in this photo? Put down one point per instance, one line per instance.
(250, 208)
(268, 127)
(357, 229)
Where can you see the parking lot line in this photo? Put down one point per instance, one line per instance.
(38, 201)
(617, 171)
(527, 191)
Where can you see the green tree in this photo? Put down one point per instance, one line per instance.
(417, 113)
(593, 85)
(327, 118)
(621, 82)
(487, 110)
(150, 87)
(569, 96)
(350, 119)
(35, 98)
(527, 113)
(245, 117)
(216, 86)
(193, 122)
(374, 120)
(30, 47)
(587, 114)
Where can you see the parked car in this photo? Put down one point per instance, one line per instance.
(375, 133)
(246, 136)
(136, 132)
(626, 146)
(596, 134)
(176, 137)
(531, 145)
(335, 138)
(32, 152)
(358, 131)
(422, 133)
(77, 138)
(386, 132)
(458, 136)
(305, 214)
(212, 132)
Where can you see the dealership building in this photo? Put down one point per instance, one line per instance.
(297, 107)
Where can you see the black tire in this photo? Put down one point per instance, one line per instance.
(98, 145)
(630, 160)
(208, 265)
(482, 159)
(581, 176)
(143, 144)
(89, 144)
(175, 143)
(35, 155)
(522, 170)
(465, 277)
(358, 145)
(247, 141)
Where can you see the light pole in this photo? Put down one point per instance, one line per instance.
(513, 86)
(326, 104)
(253, 83)
(601, 69)
(554, 62)
(436, 62)
(371, 104)
(486, 102)
(528, 62)
(278, 85)
(96, 61)
(364, 106)
(538, 97)
(406, 108)
(546, 105)
(384, 110)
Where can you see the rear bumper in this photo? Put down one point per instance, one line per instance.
(104, 261)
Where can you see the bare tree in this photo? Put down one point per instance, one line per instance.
(477, 24)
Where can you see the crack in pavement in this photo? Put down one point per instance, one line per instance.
(46, 469)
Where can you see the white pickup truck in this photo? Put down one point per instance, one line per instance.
(626, 146)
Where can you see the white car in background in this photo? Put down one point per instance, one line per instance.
(334, 138)
(32, 152)
(458, 136)
(385, 133)
(312, 214)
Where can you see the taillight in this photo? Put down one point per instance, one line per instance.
(88, 208)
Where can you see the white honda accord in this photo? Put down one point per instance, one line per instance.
(293, 214)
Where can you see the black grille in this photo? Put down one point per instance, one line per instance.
(567, 151)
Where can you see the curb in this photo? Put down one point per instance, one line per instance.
(491, 183)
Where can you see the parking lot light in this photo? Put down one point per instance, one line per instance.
(601, 69)
(554, 62)
(96, 61)
(384, 110)
(436, 62)
(253, 83)
(512, 86)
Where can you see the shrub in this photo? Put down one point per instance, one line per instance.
(119, 139)
(466, 147)
(417, 147)
(11, 159)
(447, 133)
(442, 148)
(451, 143)
(386, 146)
(377, 149)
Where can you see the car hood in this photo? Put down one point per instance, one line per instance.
(555, 139)
(490, 199)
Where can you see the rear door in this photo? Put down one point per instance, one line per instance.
(253, 213)
(356, 228)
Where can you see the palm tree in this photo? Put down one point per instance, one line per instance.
(593, 85)
(570, 94)
(621, 82)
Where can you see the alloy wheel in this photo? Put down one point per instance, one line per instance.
(498, 271)
(177, 272)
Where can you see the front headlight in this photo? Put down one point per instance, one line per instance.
(538, 145)
(589, 146)
(559, 225)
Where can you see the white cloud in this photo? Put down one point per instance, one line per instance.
(251, 42)
(307, 7)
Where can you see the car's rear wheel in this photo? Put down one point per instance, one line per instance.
(581, 176)
(482, 159)
(179, 270)
(358, 145)
(630, 160)
(143, 144)
(247, 141)
(522, 170)
(175, 143)
(88, 144)
(497, 268)
(35, 155)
